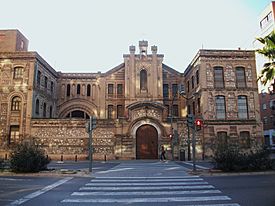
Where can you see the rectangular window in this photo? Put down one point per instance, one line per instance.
(242, 107)
(119, 89)
(188, 86)
(14, 134)
(192, 82)
(18, 72)
(175, 110)
(222, 138)
(110, 89)
(245, 140)
(199, 105)
(51, 86)
(194, 108)
(165, 91)
(197, 76)
(110, 111)
(119, 111)
(220, 107)
(46, 82)
(218, 77)
(38, 78)
(175, 90)
(240, 77)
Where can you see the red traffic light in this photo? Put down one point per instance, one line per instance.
(198, 122)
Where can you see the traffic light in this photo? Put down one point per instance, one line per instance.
(190, 120)
(198, 124)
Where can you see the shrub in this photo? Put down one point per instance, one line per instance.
(228, 157)
(28, 158)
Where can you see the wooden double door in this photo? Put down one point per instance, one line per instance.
(147, 142)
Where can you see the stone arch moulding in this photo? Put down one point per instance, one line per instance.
(77, 104)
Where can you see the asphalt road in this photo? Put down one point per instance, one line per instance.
(138, 183)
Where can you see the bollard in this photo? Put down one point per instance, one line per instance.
(105, 158)
(75, 158)
(61, 158)
(6, 156)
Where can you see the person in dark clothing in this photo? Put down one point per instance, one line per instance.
(162, 154)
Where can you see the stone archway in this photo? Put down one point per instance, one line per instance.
(146, 142)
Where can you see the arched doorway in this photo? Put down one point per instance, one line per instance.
(147, 142)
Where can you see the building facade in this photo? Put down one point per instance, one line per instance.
(138, 104)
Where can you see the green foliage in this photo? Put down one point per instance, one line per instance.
(229, 157)
(268, 71)
(28, 158)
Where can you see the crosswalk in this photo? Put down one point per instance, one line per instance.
(160, 190)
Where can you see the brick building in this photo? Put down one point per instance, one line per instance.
(133, 102)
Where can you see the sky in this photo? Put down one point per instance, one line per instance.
(93, 35)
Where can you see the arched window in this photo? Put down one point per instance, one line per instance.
(143, 79)
(37, 106)
(51, 111)
(242, 107)
(78, 89)
(68, 90)
(44, 110)
(88, 90)
(220, 107)
(16, 104)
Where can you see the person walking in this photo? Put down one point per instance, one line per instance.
(162, 154)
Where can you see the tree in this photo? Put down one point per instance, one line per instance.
(268, 71)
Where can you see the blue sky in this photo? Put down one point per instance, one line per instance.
(91, 36)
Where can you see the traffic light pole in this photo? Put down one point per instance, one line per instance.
(194, 148)
(188, 144)
(90, 144)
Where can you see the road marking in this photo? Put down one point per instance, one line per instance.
(148, 188)
(145, 184)
(188, 192)
(147, 180)
(162, 177)
(140, 200)
(198, 166)
(13, 179)
(227, 204)
(40, 192)
(172, 168)
(115, 170)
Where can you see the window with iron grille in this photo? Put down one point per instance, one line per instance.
(218, 77)
(14, 134)
(222, 137)
(119, 111)
(110, 111)
(240, 77)
(220, 107)
(44, 110)
(37, 106)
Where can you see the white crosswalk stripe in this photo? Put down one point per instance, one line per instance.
(187, 190)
